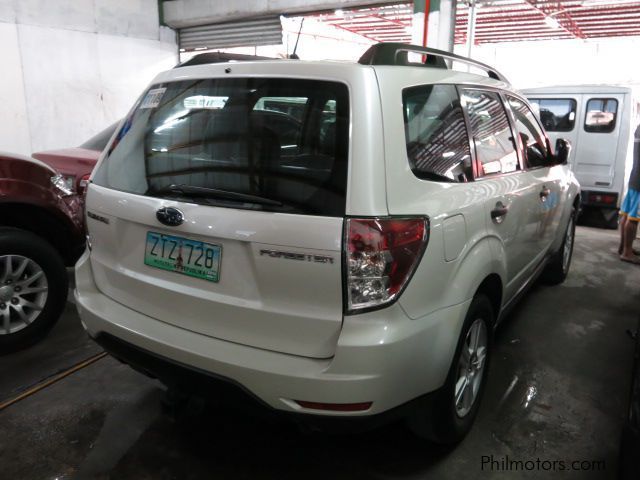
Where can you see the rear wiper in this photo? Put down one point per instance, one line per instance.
(204, 192)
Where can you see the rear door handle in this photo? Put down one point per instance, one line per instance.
(498, 213)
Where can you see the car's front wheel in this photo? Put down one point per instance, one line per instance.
(449, 417)
(33, 288)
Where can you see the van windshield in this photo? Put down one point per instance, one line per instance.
(269, 144)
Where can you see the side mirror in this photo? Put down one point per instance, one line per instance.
(563, 149)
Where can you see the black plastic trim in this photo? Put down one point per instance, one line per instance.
(392, 53)
(220, 57)
(192, 380)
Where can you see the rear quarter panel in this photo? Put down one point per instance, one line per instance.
(443, 278)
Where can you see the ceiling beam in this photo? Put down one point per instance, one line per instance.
(561, 16)
(190, 13)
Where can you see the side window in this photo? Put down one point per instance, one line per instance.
(492, 136)
(556, 114)
(436, 135)
(533, 140)
(601, 115)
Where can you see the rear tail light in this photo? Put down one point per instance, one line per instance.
(82, 185)
(381, 255)
(606, 198)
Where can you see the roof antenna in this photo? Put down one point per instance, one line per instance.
(294, 55)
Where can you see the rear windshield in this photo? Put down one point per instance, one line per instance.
(270, 144)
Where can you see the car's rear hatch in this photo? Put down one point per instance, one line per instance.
(257, 169)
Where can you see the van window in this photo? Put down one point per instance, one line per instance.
(272, 144)
(533, 140)
(556, 114)
(436, 135)
(600, 116)
(492, 136)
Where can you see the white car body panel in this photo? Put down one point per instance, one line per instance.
(277, 326)
(296, 310)
(379, 356)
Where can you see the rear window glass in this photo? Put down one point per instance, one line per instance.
(556, 114)
(256, 143)
(600, 116)
(437, 141)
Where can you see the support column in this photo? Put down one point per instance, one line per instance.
(471, 27)
(439, 28)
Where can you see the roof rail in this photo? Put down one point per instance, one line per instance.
(220, 57)
(397, 54)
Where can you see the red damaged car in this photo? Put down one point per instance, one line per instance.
(75, 164)
(41, 232)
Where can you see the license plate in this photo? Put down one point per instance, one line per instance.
(181, 255)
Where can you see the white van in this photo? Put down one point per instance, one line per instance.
(599, 121)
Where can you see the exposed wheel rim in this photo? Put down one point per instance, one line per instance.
(23, 292)
(568, 247)
(471, 368)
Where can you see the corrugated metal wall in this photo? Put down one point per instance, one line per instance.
(245, 33)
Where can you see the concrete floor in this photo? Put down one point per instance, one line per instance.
(557, 390)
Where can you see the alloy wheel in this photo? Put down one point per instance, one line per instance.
(23, 292)
(471, 367)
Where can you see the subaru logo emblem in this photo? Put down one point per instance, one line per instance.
(170, 216)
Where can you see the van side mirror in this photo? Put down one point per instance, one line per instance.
(563, 149)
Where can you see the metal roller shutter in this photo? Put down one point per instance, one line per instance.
(245, 33)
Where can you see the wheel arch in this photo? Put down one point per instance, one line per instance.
(575, 204)
(493, 289)
(43, 223)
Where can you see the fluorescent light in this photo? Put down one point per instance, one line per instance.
(552, 22)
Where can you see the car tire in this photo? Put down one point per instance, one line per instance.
(33, 288)
(557, 269)
(440, 419)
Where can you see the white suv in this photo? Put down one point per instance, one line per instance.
(333, 239)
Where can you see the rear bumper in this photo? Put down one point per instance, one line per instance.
(225, 391)
(382, 357)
